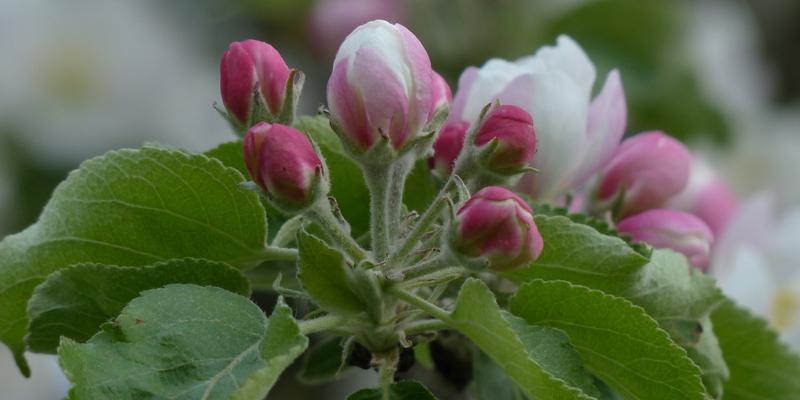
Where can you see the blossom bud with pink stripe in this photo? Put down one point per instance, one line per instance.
(382, 85)
(496, 225)
(676, 230)
(648, 169)
(283, 163)
(252, 67)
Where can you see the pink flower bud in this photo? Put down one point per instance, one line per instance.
(381, 85)
(651, 167)
(708, 197)
(676, 230)
(247, 66)
(282, 161)
(497, 224)
(512, 127)
(447, 147)
(442, 95)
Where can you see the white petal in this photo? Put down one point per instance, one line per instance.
(566, 56)
(559, 109)
(748, 227)
(607, 118)
(747, 280)
(784, 245)
(491, 79)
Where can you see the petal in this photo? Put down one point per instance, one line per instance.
(492, 78)
(387, 108)
(347, 106)
(566, 56)
(608, 115)
(465, 83)
(747, 279)
(559, 109)
(422, 86)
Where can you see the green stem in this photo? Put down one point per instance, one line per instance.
(328, 322)
(288, 230)
(323, 215)
(387, 372)
(420, 303)
(402, 253)
(269, 253)
(426, 325)
(423, 268)
(378, 181)
(400, 170)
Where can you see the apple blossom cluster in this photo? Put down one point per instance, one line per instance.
(529, 126)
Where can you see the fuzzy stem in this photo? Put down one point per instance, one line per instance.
(323, 215)
(423, 268)
(269, 253)
(378, 181)
(425, 325)
(400, 255)
(400, 171)
(420, 303)
(288, 230)
(320, 324)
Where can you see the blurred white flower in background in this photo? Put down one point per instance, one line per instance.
(81, 77)
(757, 258)
(757, 263)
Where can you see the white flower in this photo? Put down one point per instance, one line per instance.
(576, 135)
(757, 263)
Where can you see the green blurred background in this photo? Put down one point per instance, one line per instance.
(82, 77)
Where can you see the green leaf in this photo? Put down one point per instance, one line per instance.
(130, 207)
(185, 342)
(420, 188)
(491, 382)
(75, 301)
(676, 295)
(761, 366)
(326, 277)
(403, 390)
(347, 181)
(599, 225)
(230, 154)
(580, 254)
(707, 355)
(323, 363)
(478, 317)
(619, 343)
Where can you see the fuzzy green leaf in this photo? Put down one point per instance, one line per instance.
(184, 342)
(323, 362)
(478, 317)
(491, 382)
(403, 390)
(675, 294)
(326, 277)
(131, 207)
(707, 354)
(619, 343)
(580, 254)
(761, 366)
(230, 154)
(75, 301)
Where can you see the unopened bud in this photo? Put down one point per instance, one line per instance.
(676, 230)
(282, 162)
(497, 225)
